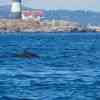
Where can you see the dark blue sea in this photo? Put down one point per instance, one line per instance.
(67, 66)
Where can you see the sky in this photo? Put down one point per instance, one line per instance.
(60, 4)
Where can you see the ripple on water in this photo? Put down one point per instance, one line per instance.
(68, 67)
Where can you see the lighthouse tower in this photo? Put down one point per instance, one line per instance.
(16, 9)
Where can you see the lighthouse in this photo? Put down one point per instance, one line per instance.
(16, 8)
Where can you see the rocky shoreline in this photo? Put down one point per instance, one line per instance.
(18, 25)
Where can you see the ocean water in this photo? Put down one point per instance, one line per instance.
(68, 66)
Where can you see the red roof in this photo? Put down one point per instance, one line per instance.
(28, 13)
(39, 13)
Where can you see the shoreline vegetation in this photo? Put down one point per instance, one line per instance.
(18, 25)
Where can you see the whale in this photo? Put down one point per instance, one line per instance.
(24, 54)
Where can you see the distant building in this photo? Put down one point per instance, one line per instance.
(27, 15)
(18, 13)
(93, 27)
(38, 14)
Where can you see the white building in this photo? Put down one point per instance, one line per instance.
(27, 15)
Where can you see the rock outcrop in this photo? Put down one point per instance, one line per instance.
(18, 25)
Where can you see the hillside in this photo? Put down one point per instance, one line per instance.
(4, 11)
(83, 17)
